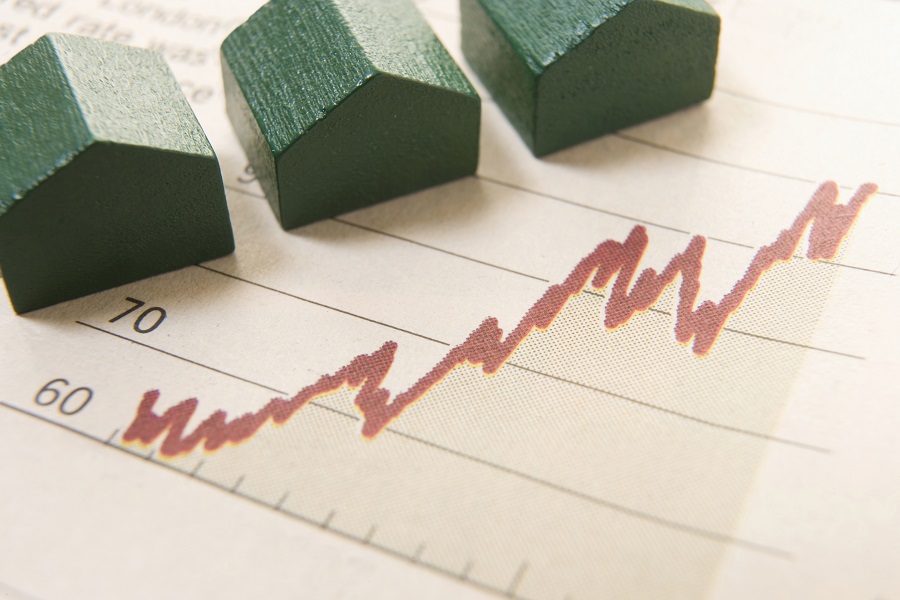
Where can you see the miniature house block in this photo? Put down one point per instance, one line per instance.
(105, 174)
(565, 71)
(340, 104)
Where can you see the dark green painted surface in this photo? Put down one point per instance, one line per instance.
(565, 71)
(105, 174)
(40, 122)
(343, 103)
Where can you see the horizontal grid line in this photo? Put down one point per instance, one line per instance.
(803, 109)
(590, 292)
(774, 340)
(715, 161)
(609, 393)
(562, 200)
(234, 188)
(347, 535)
(215, 370)
(187, 360)
(708, 534)
(795, 344)
(855, 268)
(700, 532)
(451, 18)
(319, 304)
(676, 413)
(681, 415)
(604, 211)
(724, 163)
(437, 249)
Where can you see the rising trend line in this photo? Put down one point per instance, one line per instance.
(828, 221)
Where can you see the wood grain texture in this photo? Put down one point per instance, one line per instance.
(127, 95)
(106, 177)
(297, 69)
(565, 71)
(40, 121)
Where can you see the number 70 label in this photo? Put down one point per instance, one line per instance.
(145, 322)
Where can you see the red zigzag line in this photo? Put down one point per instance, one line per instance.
(487, 347)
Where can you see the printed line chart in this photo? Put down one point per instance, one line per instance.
(828, 221)
(487, 347)
(557, 379)
(521, 573)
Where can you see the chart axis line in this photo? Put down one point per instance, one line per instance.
(346, 535)
(562, 200)
(728, 428)
(674, 525)
(188, 360)
(685, 416)
(313, 302)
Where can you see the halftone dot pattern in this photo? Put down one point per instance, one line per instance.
(622, 445)
(697, 325)
(790, 307)
(619, 444)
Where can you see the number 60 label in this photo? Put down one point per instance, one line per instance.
(73, 400)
